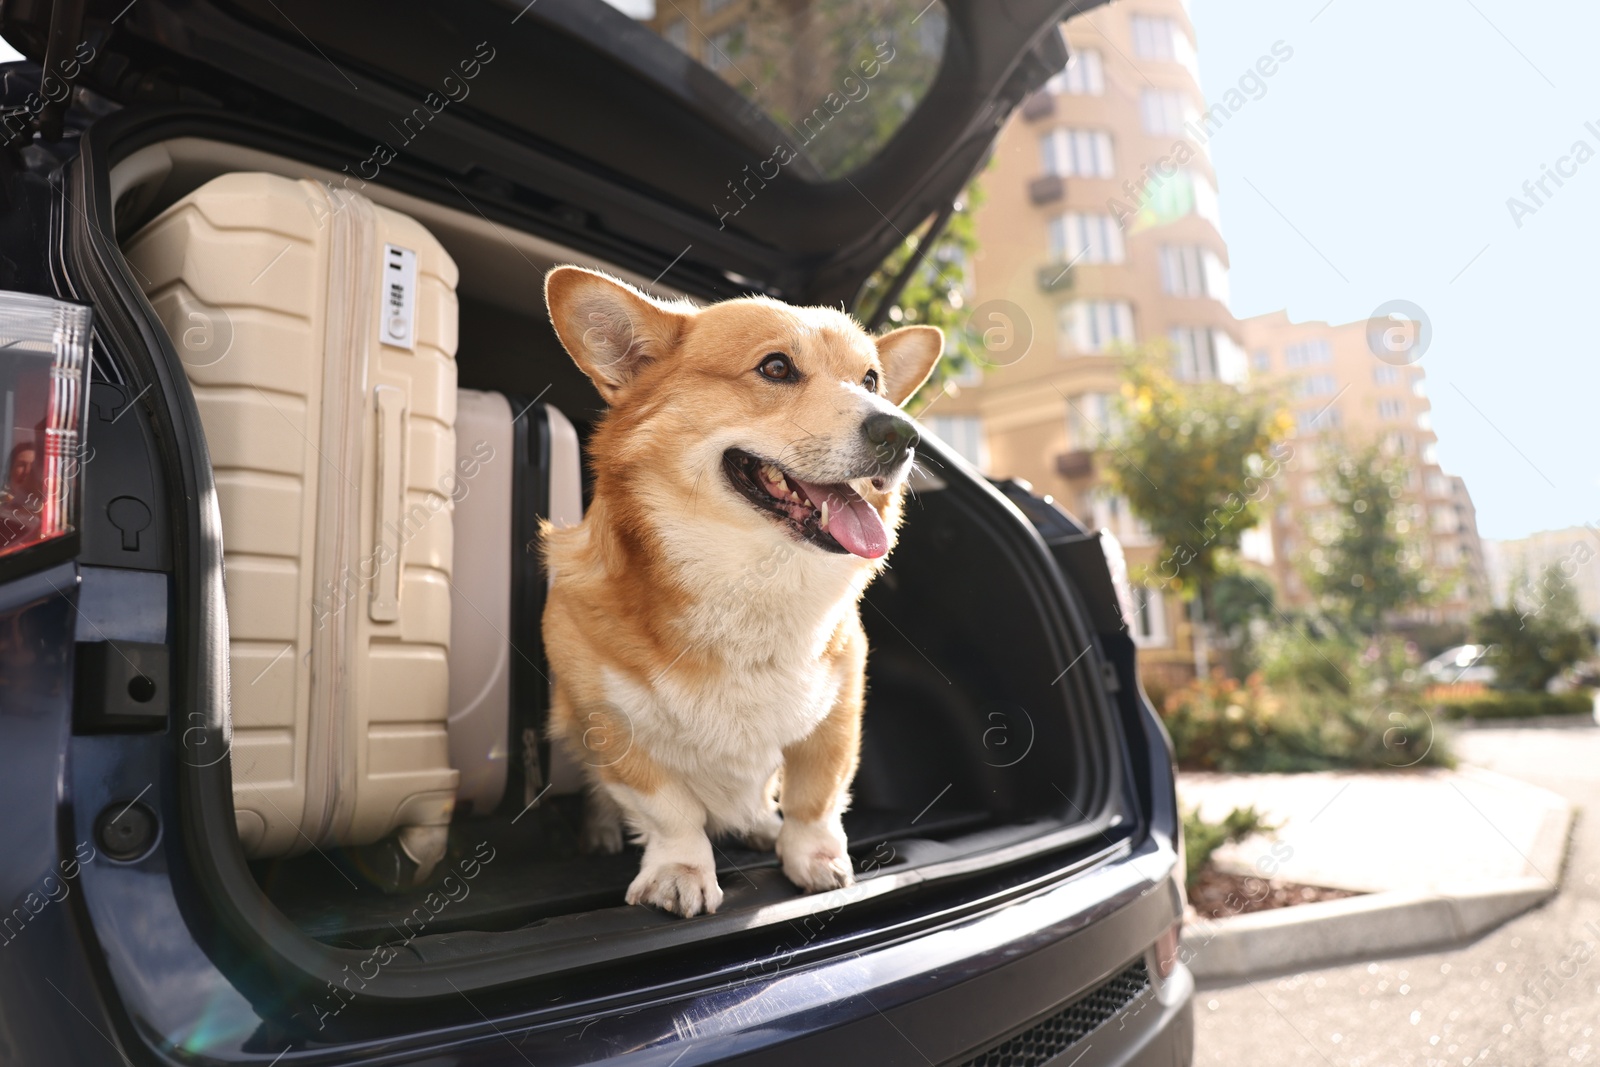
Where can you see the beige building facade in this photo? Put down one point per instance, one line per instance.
(1342, 395)
(1099, 232)
(1575, 552)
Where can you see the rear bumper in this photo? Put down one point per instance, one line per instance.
(940, 998)
(948, 997)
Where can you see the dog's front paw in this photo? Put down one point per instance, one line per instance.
(681, 888)
(814, 856)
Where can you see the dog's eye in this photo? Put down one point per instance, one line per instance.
(775, 366)
(870, 382)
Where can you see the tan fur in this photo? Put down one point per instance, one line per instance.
(696, 643)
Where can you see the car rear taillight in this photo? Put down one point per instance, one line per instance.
(1167, 949)
(44, 355)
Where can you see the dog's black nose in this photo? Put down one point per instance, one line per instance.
(890, 436)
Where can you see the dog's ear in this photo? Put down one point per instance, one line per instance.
(908, 356)
(610, 329)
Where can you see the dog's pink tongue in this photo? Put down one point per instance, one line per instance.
(852, 521)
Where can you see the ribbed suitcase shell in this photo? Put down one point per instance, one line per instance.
(334, 453)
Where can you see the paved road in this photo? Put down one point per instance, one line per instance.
(1525, 995)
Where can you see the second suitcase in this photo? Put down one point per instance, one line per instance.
(525, 467)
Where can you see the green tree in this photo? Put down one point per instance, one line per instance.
(1541, 633)
(1365, 565)
(1239, 597)
(936, 292)
(1194, 460)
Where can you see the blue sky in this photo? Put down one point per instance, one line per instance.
(1391, 141)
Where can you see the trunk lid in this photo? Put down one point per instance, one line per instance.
(779, 144)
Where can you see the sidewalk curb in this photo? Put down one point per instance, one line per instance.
(1389, 922)
(1356, 928)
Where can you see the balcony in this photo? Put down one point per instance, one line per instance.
(1055, 277)
(1041, 105)
(1047, 190)
(1079, 463)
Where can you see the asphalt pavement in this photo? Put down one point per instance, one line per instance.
(1525, 995)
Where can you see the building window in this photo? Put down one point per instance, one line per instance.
(1398, 444)
(1155, 37)
(1183, 192)
(725, 48)
(964, 433)
(1205, 354)
(1384, 374)
(1206, 204)
(970, 374)
(1077, 153)
(1419, 387)
(1307, 354)
(1082, 76)
(1437, 486)
(1447, 554)
(1444, 519)
(1149, 623)
(1261, 361)
(1076, 238)
(1425, 420)
(1390, 409)
(1090, 418)
(1318, 420)
(1191, 270)
(1109, 511)
(677, 33)
(1194, 358)
(1165, 111)
(1094, 325)
(1316, 385)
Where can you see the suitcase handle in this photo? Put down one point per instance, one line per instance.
(384, 605)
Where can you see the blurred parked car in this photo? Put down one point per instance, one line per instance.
(1463, 663)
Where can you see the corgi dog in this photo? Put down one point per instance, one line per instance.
(702, 624)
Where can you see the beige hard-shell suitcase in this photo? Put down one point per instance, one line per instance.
(326, 383)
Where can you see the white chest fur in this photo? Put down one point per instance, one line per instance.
(761, 621)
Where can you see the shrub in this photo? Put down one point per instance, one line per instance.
(1221, 724)
(1515, 704)
(1202, 838)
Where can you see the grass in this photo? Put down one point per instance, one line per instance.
(1514, 704)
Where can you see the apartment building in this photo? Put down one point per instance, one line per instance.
(1099, 232)
(1342, 394)
(1575, 552)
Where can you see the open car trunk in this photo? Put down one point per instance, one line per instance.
(990, 757)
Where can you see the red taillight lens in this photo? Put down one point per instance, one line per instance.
(1167, 949)
(44, 354)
